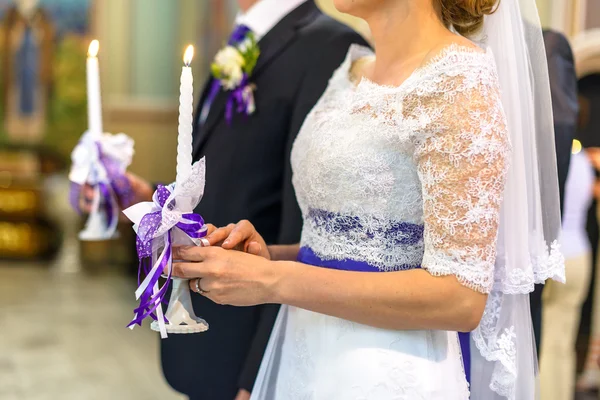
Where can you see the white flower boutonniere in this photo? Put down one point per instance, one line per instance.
(232, 69)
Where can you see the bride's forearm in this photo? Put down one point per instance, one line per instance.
(404, 300)
(284, 252)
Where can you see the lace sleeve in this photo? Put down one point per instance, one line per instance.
(462, 163)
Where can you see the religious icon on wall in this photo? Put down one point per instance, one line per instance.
(42, 77)
(28, 42)
(43, 46)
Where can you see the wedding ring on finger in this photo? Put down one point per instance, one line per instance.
(198, 288)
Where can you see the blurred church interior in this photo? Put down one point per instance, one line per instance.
(64, 303)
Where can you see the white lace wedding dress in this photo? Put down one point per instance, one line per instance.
(388, 179)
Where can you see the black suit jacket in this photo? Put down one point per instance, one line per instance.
(565, 106)
(248, 176)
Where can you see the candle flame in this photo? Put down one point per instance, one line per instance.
(577, 147)
(189, 54)
(93, 49)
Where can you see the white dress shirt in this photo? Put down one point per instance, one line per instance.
(265, 14)
(578, 196)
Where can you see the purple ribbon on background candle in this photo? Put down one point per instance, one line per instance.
(118, 181)
(118, 188)
(191, 224)
(107, 196)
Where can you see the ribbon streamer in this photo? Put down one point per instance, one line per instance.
(242, 98)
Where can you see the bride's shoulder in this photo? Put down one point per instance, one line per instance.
(454, 43)
(459, 64)
(456, 73)
(460, 54)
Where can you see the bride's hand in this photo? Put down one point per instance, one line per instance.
(241, 236)
(227, 277)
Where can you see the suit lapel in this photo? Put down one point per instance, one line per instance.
(215, 113)
(197, 129)
(271, 45)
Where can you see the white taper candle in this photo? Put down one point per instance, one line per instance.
(93, 90)
(186, 109)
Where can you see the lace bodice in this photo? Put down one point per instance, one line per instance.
(407, 176)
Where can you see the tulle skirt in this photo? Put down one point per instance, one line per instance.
(312, 356)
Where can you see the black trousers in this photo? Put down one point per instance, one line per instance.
(213, 365)
(535, 303)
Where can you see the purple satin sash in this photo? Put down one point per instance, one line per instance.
(307, 256)
(465, 347)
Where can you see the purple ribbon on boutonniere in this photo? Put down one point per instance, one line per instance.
(231, 72)
(150, 299)
(243, 97)
(238, 35)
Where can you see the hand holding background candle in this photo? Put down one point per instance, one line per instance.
(100, 160)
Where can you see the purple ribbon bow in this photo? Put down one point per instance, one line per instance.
(191, 224)
(118, 186)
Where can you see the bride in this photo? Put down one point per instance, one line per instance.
(427, 182)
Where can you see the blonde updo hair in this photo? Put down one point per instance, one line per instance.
(466, 16)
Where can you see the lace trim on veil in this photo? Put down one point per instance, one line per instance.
(500, 347)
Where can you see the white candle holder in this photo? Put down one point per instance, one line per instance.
(180, 312)
(95, 228)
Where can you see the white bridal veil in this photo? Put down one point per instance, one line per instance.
(504, 362)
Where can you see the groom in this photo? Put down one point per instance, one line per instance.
(248, 176)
